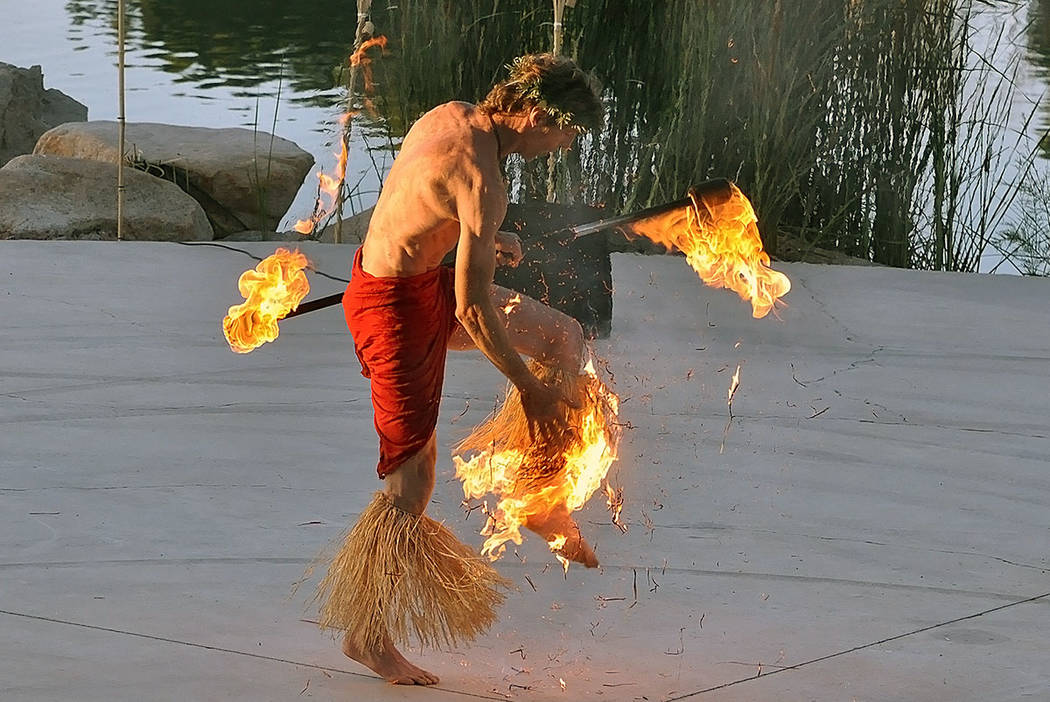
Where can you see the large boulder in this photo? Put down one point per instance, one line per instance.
(240, 179)
(53, 197)
(27, 110)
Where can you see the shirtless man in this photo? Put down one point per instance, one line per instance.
(446, 191)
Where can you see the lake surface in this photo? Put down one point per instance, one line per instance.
(271, 65)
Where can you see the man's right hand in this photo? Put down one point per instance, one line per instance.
(543, 412)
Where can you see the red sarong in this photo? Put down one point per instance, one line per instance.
(401, 328)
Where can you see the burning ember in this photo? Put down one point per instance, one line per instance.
(271, 290)
(328, 186)
(719, 236)
(534, 482)
(512, 304)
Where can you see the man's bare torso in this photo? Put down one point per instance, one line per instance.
(448, 162)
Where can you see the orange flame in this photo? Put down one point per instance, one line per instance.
(360, 58)
(327, 190)
(586, 463)
(720, 240)
(329, 185)
(271, 290)
(512, 304)
(614, 501)
(733, 385)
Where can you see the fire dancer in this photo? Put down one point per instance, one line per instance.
(400, 571)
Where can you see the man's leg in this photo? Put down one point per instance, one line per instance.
(552, 338)
(409, 488)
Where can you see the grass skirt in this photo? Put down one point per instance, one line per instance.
(399, 573)
(507, 429)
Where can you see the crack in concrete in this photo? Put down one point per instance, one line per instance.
(221, 649)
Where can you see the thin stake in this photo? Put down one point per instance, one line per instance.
(120, 120)
(363, 8)
(552, 160)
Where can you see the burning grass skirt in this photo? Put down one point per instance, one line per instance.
(399, 573)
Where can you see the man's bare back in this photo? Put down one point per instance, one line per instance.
(449, 153)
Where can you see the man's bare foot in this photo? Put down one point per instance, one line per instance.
(560, 523)
(389, 663)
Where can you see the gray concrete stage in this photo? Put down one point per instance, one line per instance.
(871, 530)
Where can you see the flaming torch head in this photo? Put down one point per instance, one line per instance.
(718, 233)
(271, 290)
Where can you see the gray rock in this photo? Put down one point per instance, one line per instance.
(354, 228)
(27, 110)
(53, 197)
(230, 172)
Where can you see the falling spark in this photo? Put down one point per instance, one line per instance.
(732, 389)
(556, 543)
(729, 401)
(614, 501)
(512, 304)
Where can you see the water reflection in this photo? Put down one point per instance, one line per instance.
(821, 111)
(234, 43)
(1039, 56)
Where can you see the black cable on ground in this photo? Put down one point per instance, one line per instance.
(252, 256)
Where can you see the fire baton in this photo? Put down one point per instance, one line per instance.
(566, 235)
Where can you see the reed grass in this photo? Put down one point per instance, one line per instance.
(852, 125)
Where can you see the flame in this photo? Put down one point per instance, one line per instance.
(512, 304)
(271, 290)
(720, 240)
(614, 501)
(561, 681)
(733, 386)
(329, 185)
(327, 189)
(556, 544)
(360, 59)
(586, 462)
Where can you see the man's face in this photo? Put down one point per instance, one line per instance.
(547, 137)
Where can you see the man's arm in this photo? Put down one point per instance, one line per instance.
(480, 210)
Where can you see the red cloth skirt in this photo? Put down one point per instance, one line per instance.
(401, 328)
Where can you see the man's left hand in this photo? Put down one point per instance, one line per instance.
(508, 249)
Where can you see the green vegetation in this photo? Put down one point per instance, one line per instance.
(875, 128)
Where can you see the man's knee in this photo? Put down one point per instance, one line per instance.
(410, 485)
(574, 346)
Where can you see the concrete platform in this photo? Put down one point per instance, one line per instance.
(868, 528)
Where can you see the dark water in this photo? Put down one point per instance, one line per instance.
(273, 64)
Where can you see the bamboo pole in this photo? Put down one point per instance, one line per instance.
(552, 160)
(363, 8)
(120, 120)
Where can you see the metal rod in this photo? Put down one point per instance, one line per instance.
(567, 234)
(707, 188)
(317, 304)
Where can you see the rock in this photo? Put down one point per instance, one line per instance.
(53, 197)
(230, 172)
(27, 110)
(354, 228)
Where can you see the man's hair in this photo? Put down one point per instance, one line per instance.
(555, 84)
